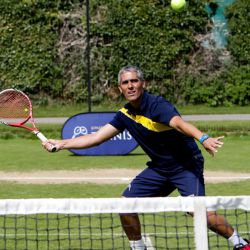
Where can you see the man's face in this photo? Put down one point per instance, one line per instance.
(131, 87)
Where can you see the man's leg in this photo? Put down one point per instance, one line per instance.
(132, 227)
(218, 224)
(148, 183)
(191, 183)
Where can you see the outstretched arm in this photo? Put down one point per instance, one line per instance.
(210, 144)
(86, 141)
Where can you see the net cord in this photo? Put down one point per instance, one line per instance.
(121, 205)
(198, 205)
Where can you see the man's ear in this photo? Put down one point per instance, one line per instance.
(120, 89)
(144, 84)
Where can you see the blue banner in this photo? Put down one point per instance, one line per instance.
(88, 123)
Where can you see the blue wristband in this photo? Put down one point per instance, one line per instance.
(203, 138)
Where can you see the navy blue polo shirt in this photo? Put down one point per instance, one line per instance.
(169, 150)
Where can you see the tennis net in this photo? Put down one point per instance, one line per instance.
(95, 224)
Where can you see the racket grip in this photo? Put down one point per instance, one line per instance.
(41, 136)
(44, 139)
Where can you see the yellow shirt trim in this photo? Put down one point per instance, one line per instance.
(146, 122)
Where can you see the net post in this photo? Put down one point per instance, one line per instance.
(200, 224)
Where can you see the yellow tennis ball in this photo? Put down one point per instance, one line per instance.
(178, 4)
(26, 110)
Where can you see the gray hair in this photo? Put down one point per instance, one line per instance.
(131, 68)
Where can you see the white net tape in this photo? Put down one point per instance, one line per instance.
(94, 223)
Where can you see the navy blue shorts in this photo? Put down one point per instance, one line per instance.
(152, 183)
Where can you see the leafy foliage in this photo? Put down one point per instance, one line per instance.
(44, 50)
(149, 35)
(28, 37)
(238, 20)
(228, 87)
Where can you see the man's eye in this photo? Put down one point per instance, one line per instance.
(134, 80)
(131, 80)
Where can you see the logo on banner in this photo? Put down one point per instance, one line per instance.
(79, 130)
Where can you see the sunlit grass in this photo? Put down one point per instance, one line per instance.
(67, 110)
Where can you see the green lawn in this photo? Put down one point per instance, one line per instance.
(67, 110)
(28, 155)
(17, 191)
(23, 152)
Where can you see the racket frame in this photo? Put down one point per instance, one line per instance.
(29, 118)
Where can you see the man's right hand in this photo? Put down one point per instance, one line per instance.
(51, 145)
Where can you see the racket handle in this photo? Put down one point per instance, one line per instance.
(41, 136)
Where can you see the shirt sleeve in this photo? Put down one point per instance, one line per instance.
(117, 122)
(164, 111)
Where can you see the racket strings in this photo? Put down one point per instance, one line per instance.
(14, 107)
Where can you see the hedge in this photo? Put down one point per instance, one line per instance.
(43, 50)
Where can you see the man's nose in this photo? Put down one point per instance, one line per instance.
(130, 84)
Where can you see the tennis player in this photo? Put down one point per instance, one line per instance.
(176, 161)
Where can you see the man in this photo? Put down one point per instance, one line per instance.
(169, 141)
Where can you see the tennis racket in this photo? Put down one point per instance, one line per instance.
(16, 110)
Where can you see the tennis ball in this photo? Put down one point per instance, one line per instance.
(25, 110)
(178, 4)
